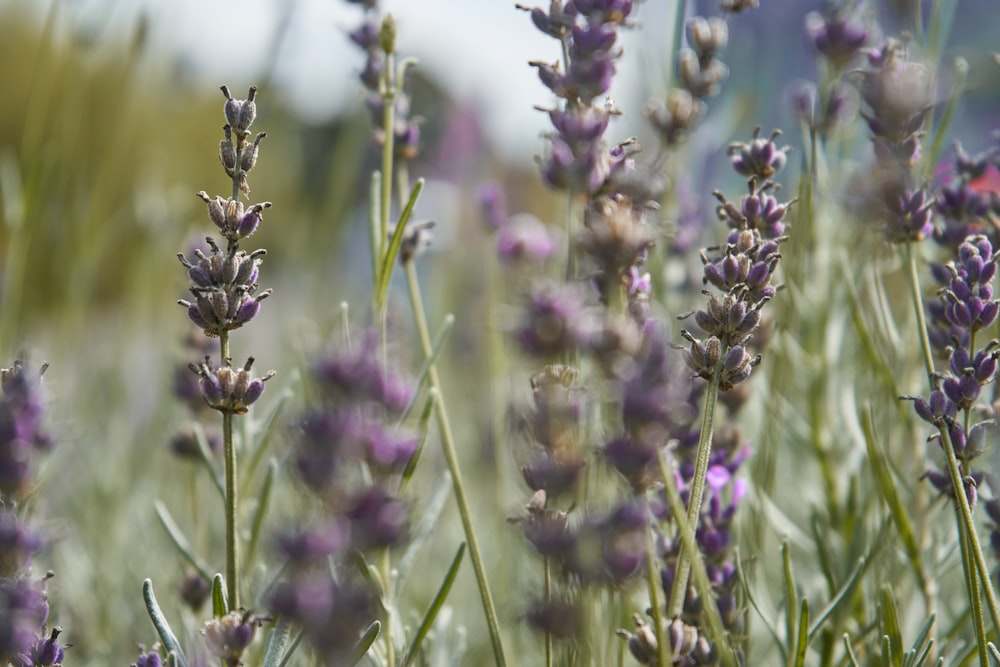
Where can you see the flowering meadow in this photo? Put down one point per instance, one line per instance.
(711, 381)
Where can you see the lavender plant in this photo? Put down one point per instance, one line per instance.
(747, 490)
(224, 286)
(25, 640)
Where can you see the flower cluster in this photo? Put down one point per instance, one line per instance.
(837, 34)
(897, 93)
(742, 269)
(224, 282)
(700, 72)
(962, 209)
(229, 390)
(229, 636)
(962, 205)
(349, 428)
(550, 452)
(655, 406)
(969, 306)
(24, 607)
(376, 36)
(578, 159)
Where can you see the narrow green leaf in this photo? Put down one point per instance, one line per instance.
(424, 528)
(206, 460)
(263, 504)
(802, 643)
(439, 341)
(167, 636)
(852, 579)
(922, 644)
(941, 131)
(277, 642)
(875, 360)
(791, 599)
(849, 650)
(374, 224)
(370, 573)
(423, 428)
(886, 651)
(887, 488)
(180, 541)
(994, 653)
(291, 648)
(768, 623)
(220, 606)
(365, 643)
(889, 623)
(435, 607)
(392, 252)
(271, 423)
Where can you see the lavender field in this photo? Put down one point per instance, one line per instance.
(594, 333)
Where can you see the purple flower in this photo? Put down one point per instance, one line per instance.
(23, 613)
(524, 238)
(761, 158)
(228, 637)
(556, 320)
(228, 390)
(493, 204)
(377, 519)
(838, 38)
(44, 652)
(358, 376)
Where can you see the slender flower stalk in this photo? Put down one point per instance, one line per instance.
(451, 459)
(224, 284)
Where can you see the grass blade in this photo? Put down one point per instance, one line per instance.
(802, 643)
(392, 252)
(365, 643)
(439, 341)
(436, 604)
(263, 504)
(425, 528)
(277, 642)
(887, 487)
(180, 541)
(167, 636)
(219, 603)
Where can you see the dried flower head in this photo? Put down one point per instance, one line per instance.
(228, 390)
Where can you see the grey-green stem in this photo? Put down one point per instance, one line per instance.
(679, 590)
(232, 501)
(451, 458)
(966, 522)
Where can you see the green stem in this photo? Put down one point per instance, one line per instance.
(548, 598)
(918, 309)
(232, 501)
(451, 458)
(653, 583)
(966, 522)
(387, 602)
(922, 494)
(679, 590)
(968, 525)
(388, 146)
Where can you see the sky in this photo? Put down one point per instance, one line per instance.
(478, 49)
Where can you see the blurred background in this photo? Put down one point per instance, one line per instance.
(109, 124)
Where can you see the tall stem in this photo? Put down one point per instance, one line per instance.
(653, 583)
(232, 501)
(974, 563)
(451, 458)
(679, 590)
(548, 598)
